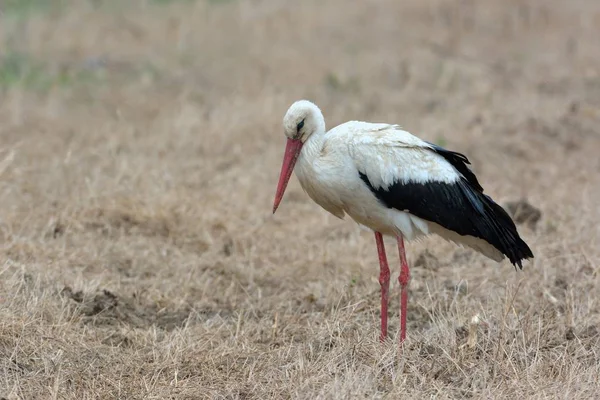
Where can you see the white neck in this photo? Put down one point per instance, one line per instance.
(313, 145)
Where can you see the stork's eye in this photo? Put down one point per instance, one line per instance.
(300, 125)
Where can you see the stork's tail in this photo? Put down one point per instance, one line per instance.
(498, 229)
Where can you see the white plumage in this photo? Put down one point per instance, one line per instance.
(394, 183)
(328, 166)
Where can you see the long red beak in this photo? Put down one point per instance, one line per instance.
(292, 151)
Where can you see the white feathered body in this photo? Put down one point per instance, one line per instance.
(328, 170)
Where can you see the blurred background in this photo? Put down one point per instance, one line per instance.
(140, 145)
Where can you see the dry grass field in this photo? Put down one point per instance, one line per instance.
(140, 146)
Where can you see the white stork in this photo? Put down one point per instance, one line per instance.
(395, 184)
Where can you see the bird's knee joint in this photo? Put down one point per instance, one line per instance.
(404, 278)
(384, 279)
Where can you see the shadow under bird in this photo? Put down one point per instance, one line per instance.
(396, 184)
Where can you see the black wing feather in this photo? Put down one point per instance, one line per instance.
(461, 207)
(458, 161)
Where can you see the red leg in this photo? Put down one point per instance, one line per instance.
(403, 279)
(384, 281)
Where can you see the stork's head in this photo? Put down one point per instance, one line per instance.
(301, 120)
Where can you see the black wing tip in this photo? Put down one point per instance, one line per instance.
(509, 242)
(515, 247)
(521, 253)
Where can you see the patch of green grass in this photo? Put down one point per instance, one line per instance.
(350, 85)
(21, 70)
(164, 2)
(333, 82)
(17, 69)
(216, 2)
(24, 8)
(441, 141)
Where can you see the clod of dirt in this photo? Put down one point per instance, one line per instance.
(309, 304)
(462, 256)
(574, 107)
(586, 269)
(427, 260)
(325, 345)
(429, 350)
(55, 230)
(107, 308)
(524, 213)
(462, 332)
(68, 292)
(18, 367)
(589, 332)
(228, 247)
(102, 301)
(130, 221)
(569, 334)
(117, 340)
(311, 298)
(561, 283)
